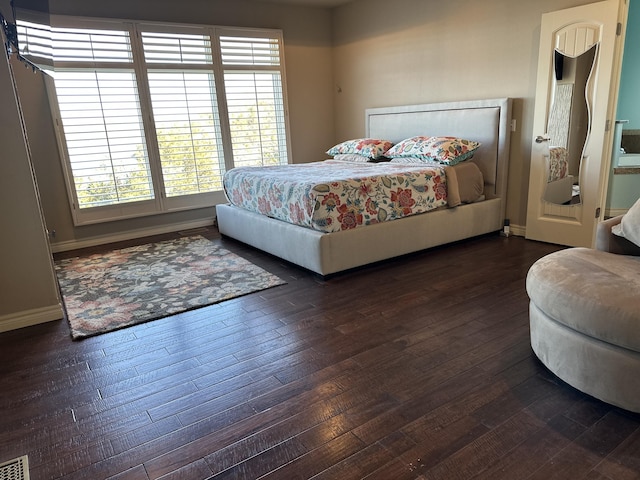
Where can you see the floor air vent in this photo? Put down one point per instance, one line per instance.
(17, 469)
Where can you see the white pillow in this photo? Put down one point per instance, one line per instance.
(629, 226)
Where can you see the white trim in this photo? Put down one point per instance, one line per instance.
(615, 212)
(128, 235)
(518, 230)
(27, 318)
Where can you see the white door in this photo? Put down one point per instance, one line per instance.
(573, 119)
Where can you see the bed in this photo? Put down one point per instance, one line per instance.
(325, 253)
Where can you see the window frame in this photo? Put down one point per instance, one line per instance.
(161, 203)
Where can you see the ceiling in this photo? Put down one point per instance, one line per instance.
(311, 3)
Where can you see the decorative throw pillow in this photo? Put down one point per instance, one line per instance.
(446, 150)
(367, 147)
(351, 157)
(415, 161)
(629, 226)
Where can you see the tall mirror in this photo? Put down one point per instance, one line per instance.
(568, 124)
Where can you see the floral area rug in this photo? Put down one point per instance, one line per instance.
(105, 292)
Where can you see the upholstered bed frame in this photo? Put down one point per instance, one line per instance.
(486, 121)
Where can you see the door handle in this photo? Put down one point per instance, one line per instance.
(541, 138)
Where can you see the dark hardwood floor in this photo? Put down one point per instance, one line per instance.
(415, 368)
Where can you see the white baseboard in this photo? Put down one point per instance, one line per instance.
(614, 212)
(28, 318)
(518, 230)
(128, 235)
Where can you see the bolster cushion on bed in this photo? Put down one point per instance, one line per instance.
(465, 183)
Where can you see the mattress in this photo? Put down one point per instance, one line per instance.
(334, 195)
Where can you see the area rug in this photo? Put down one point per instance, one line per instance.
(105, 292)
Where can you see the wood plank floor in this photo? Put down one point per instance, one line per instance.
(415, 368)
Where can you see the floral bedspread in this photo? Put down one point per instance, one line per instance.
(334, 195)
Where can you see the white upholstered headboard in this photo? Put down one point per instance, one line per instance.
(485, 121)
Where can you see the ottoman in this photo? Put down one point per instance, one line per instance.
(585, 321)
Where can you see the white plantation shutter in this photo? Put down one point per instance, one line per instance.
(150, 116)
(185, 111)
(105, 143)
(90, 45)
(35, 42)
(255, 101)
(187, 130)
(256, 118)
(238, 50)
(101, 117)
(177, 48)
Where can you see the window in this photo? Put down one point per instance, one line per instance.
(149, 117)
(255, 100)
(185, 111)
